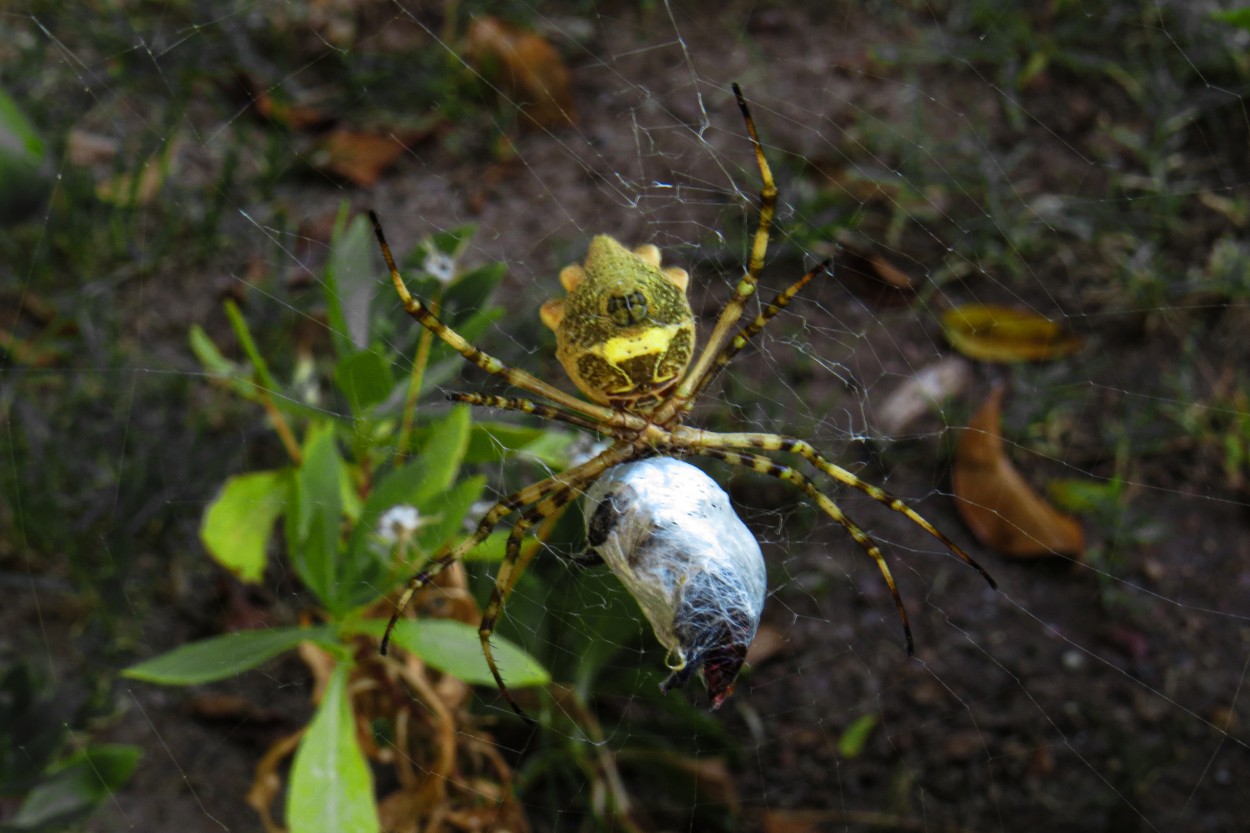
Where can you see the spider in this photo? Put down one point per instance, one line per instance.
(625, 335)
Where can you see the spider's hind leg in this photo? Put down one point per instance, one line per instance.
(764, 465)
(509, 571)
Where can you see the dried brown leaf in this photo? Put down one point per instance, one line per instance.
(527, 66)
(872, 276)
(993, 333)
(358, 156)
(996, 503)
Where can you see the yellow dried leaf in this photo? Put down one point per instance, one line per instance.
(993, 333)
(1000, 508)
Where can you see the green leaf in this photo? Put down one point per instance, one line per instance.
(452, 242)
(446, 512)
(75, 787)
(218, 366)
(493, 441)
(492, 549)
(455, 648)
(365, 379)
(244, 335)
(855, 738)
(350, 282)
(210, 357)
(1239, 18)
(331, 785)
(24, 180)
(471, 292)
(223, 656)
(238, 522)
(320, 507)
(429, 473)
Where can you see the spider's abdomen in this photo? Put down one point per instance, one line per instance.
(670, 535)
(625, 332)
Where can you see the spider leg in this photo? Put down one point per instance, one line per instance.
(764, 465)
(528, 496)
(526, 406)
(506, 579)
(773, 442)
(744, 336)
(513, 376)
(733, 310)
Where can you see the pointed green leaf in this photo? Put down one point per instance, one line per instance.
(75, 787)
(315, 553)
(241, 331)
(365, 379)
(237, 524)
(218, 366)
(223, 656)
(455, 648)
(429, 473)
(446, 513)
(493, 441)
(331, 785)
(350, 282)
(471, 292)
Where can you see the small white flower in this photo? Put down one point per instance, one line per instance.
(441, 266)
(399, 523)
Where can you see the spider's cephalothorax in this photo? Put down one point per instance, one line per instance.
(625, 333)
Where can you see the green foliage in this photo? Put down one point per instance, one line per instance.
(225, 656)
(455, 648)
(51, 790)
(852, 742)
(331, 785)
(373, 487)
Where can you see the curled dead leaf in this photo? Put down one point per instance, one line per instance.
(527, 66)
(996, 503)
(992, 333)
(928, 390)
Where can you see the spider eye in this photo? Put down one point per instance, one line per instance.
(628, 310)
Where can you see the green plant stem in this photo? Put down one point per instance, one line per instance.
(280, 425)
(414, 385)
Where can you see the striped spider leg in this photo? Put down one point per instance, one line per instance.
(625, 335)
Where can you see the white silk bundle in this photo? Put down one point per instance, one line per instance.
(669, 533)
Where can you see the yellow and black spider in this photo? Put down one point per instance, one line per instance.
(625, 334)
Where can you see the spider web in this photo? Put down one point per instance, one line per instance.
(1085, 163)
